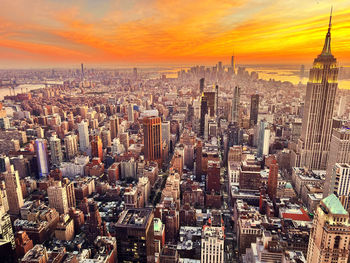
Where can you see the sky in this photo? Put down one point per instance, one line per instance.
(48, 33)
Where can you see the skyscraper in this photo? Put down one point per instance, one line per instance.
(56, 150)
(235, 105)
(135, 232)
(153, 139)
(42, 158)
(106, 138)
(254, 109)
(14, 191)
(321, 89)
(114, 126)
(211, 98)
(57, 195)
(84, 142)
(201, 85)
(6, 231)
(96, 147)
(166, 132)
(131, 112)
(204, 111)
(272, 180)
(263, 138)
(339, 153)
(71, 145)
(330, 235)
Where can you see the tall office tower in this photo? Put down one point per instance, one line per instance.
(342, 106)
(4, 204)
(114, 126)
(106, 138)
(339, 153)
(206, 127)
(40, 146)
(56, 151)
(134, 73)
(204, 111)
(217, 100)
(212, 248)
(330, 235)
(4, 163)
(131, 112)
(6, 231)
(134, 232)
(57, 195)
(83, 136)
(233, 64)
(96, 147)
(313, 145)
(272, 180)
(234, 135)
(190, 112)
(201, 86)
(13, 190)
(220, 68)
(211, 101)
(340, 187)
(153, 139)
(235, 105)
(71, 145)
(199, 152)
(82, 71)
(166, 132)
(264, 138)
(254, 109)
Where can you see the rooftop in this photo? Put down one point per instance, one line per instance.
(334, 206)
(135, 217)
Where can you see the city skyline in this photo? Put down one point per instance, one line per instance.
(145, 33)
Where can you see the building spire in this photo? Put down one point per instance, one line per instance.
(327, 43)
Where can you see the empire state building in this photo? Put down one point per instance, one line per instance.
(313, 144)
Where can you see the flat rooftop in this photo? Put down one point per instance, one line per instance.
(135, 217)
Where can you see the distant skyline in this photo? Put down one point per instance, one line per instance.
(59, 33)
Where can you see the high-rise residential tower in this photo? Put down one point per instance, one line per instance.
(313, 145)
(71, 145)
(96, 147)
(56, 151)
(84, 142)
(153, 139)
(57, 195)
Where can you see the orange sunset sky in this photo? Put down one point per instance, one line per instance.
(169, 32)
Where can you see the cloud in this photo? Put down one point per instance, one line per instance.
(161, 31)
